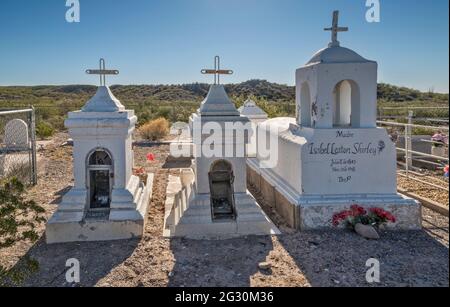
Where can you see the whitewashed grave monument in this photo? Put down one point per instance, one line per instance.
(16, 134)
(332, 155)
(256, 115)
(107, 202)
(16, 144)
(211, 200)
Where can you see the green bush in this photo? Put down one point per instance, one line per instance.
(18, 221)
(44, 130)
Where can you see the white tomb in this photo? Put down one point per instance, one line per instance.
(14, 155)
(333, 155)
(181, 148)
(107, 201)
(256, 115)
(211, 200)
(16, 134)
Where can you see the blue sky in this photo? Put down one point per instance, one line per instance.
(170, 41)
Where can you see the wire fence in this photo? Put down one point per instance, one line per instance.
(419, 148)
(18, 145)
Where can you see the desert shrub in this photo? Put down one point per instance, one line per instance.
(44, 130)
(164, 112)
(18, 221)
(155, 130)
(422, 131)
(144, 116)
(20, 170)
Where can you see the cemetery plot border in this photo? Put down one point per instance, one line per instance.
(18, 145)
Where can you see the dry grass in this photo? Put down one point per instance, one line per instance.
(155, 130)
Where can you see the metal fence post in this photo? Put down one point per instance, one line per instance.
(33, 147)
(408, 142)
(406, 151)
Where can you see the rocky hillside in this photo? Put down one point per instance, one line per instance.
(261, 89)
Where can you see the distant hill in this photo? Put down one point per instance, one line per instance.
(178, 102)
(262, 89)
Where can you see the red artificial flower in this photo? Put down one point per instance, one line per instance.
(140, 171)
(342, 216)
(358, 210)
(150, 157)
(391, 218)
(384, 215)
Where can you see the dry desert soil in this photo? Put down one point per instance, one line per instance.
(331, 258)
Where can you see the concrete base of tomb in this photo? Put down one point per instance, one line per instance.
(189, 215)
(316, 212)
(124, 220)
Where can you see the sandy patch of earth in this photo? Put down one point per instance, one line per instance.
(427, 191)
(331, 258)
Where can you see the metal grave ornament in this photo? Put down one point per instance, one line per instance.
(217, 71)
(102, 72)
(335, 29)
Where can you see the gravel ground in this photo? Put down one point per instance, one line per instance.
(425, 190)
(332, 258)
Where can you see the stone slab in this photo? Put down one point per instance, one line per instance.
(72, 226)
(193, 220)
(91, 231)
(315, 213)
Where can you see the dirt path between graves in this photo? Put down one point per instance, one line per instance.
(333, 258)
(425, 190)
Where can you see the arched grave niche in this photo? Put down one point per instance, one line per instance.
(100, 178)
(346, 105)
(221, 181)
(305, 105)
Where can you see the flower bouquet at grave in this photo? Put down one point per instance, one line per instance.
(363, 221)
(141, 173)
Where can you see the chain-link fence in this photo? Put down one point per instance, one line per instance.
(18, 145)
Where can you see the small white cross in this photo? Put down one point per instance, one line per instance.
(217, 71)
(102, 72)
(335, 29)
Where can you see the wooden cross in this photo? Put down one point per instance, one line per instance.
(217, 71)
(335, 29)
(102, 72)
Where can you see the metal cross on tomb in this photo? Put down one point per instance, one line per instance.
(217, 71)
(335, 29)
(103, 72)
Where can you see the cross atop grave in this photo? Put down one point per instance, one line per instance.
(102, 72)
(217, 71)
(335, 29)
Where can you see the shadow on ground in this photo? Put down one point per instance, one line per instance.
(407, 259)
(60, 194)
(220, 263)
(97, 259)
(177, 163)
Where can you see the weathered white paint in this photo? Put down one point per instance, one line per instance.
(333, 155)
(189, 214)
(188, 205)
(102, 124)
(256, 115)
(16, 134)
